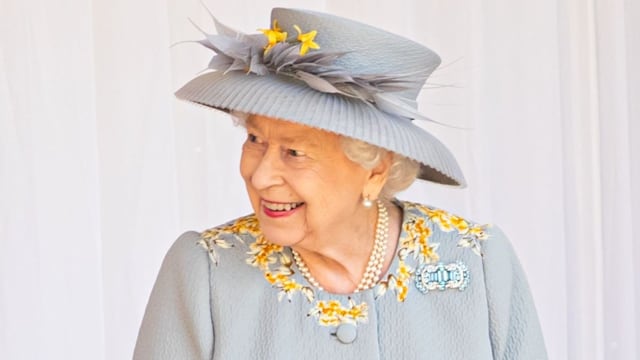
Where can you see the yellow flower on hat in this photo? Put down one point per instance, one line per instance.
(274, 36)
(306, 40)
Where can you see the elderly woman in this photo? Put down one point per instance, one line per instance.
(331, 265)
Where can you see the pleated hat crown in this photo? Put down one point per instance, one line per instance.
(352, 79)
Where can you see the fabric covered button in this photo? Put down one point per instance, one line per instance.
(346, 333)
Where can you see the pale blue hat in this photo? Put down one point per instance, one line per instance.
(361, 82)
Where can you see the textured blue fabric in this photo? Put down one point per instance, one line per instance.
(199, 310)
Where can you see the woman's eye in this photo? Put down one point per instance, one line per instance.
(252, 138)
(295, 153)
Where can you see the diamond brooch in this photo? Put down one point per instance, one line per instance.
(442, 276)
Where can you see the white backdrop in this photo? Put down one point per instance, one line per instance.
(101, 169)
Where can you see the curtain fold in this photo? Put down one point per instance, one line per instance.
(615, 47)
(582, 195)
(101, 168)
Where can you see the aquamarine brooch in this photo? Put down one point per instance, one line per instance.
(450, 276)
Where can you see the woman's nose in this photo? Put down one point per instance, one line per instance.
(268, 171)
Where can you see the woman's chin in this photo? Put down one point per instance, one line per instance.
(280, 232)
(281, 237)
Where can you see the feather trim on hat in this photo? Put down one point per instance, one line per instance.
(256, 54)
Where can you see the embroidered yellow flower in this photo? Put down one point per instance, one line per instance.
(479, 232)
(273, 278)
(281, 274)
(306, 40)
(417, 241)
(327, 312)
(428, 253)
(332, 313)
(262, 254)
(459, 223)
(247, 225)
(287, 288)
(357, 313)
(274, 36)
(398, 282)
(416, 231)
(281, 280)
(440, 217)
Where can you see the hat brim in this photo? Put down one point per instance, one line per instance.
(289, 99)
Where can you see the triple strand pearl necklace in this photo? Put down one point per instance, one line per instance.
(376, 260)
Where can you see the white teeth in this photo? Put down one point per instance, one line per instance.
(281, 206)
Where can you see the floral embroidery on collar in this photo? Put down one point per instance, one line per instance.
(211, 238)
(271, 259)
(415, 244)
(414, 250)
(472, 235)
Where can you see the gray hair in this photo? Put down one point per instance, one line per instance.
(402, 172)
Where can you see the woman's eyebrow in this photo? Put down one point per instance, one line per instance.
(298, 138)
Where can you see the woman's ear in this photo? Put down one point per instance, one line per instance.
(378, 177)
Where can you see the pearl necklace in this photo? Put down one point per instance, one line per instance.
(376, 260)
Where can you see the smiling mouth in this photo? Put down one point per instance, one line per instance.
(281, 206)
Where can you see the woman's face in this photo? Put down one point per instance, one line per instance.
(299, 180)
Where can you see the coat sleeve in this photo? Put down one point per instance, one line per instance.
(513, 323)
(177, 323)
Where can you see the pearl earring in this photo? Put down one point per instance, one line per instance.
(366, 202)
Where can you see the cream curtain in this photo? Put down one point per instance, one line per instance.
(101, 169)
